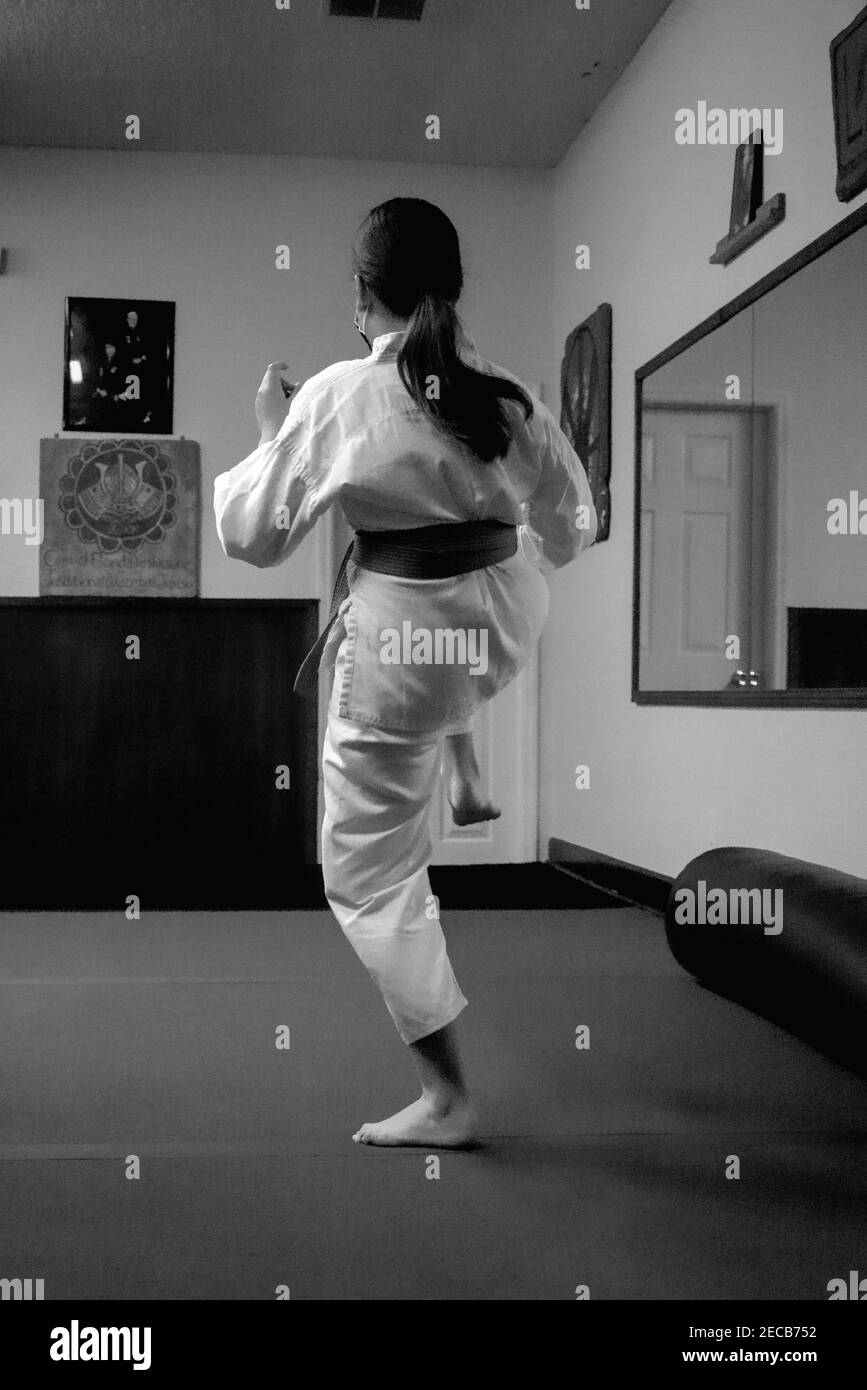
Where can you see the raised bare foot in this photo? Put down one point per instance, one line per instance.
(424, 1124)
(468, 808)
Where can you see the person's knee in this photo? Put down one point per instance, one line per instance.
(333, 879)
(350, 879)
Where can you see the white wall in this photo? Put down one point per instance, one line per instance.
(667, 784)
(201, 230)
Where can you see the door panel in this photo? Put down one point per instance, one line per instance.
(696, 539)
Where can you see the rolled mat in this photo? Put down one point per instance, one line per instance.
(784, 938)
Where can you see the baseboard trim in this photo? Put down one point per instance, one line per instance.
(641, 887)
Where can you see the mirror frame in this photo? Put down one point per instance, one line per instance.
(826, 698)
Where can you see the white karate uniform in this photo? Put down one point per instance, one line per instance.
(354, 437)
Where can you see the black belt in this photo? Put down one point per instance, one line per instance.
(425, 552)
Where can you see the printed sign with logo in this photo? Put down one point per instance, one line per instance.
(121, 517)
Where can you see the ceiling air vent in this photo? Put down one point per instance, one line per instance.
(377, 9)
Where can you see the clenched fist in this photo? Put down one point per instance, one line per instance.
(272, 401)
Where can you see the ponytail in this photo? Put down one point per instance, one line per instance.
(465, 402)
(407, 251)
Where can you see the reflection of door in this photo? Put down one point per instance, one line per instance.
(696, 591)
(505, 736)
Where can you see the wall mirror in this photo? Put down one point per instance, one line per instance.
(750, 580)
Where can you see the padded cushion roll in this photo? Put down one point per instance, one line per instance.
(783, 937)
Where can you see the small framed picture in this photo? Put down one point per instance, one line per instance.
(118, 371)
(748, 182)
(585, 414)
(849, 82)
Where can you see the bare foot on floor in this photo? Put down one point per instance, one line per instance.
(424, 1124)
(468, 808)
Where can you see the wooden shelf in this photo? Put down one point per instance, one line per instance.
(769, 215)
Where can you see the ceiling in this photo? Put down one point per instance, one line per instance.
(512, 81)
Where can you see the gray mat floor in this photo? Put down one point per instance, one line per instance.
(603, 1167)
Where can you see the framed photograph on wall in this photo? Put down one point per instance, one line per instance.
(118, 366)
(585, 418)
(849, 80)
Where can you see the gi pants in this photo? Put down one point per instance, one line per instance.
(376, 848)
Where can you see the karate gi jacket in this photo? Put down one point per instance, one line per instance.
(354, 438)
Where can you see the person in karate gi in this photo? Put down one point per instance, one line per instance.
(462, 491)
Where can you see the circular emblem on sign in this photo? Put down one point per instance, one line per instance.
(119, 494)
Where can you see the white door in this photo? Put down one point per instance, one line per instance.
(696, 517)
(506, 741)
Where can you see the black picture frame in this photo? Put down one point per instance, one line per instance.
(118, 366)
(585, 411)
(849, 87)
(748, 183)
(833, 698)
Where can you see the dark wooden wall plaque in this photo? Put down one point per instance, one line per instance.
(849, 83)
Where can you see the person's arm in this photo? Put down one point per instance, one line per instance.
(267, 503)
(560, 516)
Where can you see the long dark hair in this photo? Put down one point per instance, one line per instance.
(407, 252)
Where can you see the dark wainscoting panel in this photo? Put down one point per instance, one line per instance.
(627, 881)
(155, 777)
